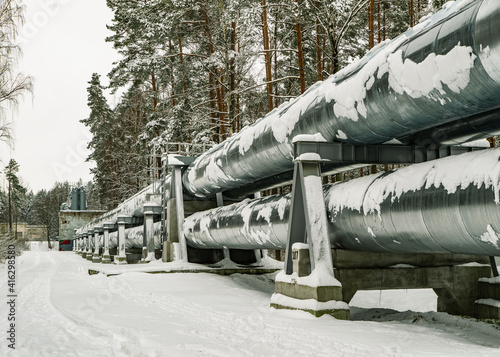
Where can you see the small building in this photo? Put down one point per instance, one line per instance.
(69, 220)
(32, 233)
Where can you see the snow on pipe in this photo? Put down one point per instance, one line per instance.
(447, 68)
(450, 205)
(133, 206)
(444, 71)
(133, 238)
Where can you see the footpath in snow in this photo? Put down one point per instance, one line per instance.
(63, 311)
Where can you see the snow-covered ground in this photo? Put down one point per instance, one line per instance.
(63, 311)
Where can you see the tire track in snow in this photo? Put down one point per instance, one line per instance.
(36, 334)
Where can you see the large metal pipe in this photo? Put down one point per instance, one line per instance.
(132, 206)
(441, 77)
(440, 71)
(450, 205)
(134, 237)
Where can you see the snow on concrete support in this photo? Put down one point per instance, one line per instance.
(488, 304)
(80, 244)
(177, 163)
(121, 258)
(75, 242)
(90, 238)
(453, 277)
(148, 249)
(318, 292)
(170, 253)
(86, 249)
(96, 258)
(106, 258)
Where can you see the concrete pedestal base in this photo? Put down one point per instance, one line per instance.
(96, 258)
(450, 276)
(488, 304)
(293, 293)
(106, 259)
(120, 260)
(84, 255)
(318, 301)
(455, 286)
(89, 256)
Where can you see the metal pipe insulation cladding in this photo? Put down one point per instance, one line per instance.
(444, 69)
(134, 237)
(441, 206)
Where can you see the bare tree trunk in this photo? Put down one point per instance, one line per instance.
(233, 98)
(172, 79)
(411, 13)
(181, 59)
(267, 55)
(379, 35)
(215, 82)
(300, 49)
(319, 47)
(383, 23)
(371, 24)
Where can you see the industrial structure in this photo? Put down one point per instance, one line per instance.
(413, 100)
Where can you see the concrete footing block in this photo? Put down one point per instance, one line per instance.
(337, 309)
(316, 300)
(120, 260)
(301, 291)
(106, 259)
(84, 255)
(304, 292)
(488, 304)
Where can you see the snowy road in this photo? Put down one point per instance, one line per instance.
(63, 311)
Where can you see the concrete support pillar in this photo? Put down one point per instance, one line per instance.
(90, 236)
(179, 195)
(148, 248)
(96, 258)
(85, 245)
(106, 258)
(121, 258)
(169, 251)
(81, 246)
(308, 231)
(75, 242)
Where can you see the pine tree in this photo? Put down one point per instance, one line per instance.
(103, 127)
(15, 193)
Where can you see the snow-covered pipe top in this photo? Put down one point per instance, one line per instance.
(443, 69)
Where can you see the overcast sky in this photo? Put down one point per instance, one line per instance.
(63, 44)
